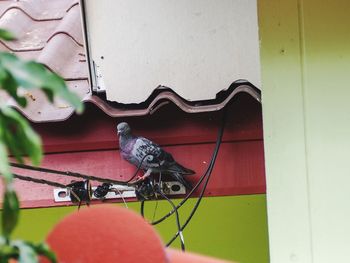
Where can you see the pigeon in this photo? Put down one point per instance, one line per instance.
(151, 158)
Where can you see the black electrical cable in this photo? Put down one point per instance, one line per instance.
(179, 231)
(182, 202)
(79, 175)
(66, 173)
(39, 181)
(207, 172)
(142, 208)
(211, 166)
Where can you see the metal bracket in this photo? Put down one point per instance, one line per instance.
(175, 188)
(98, 83)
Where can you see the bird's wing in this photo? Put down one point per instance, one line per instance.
(150, 154)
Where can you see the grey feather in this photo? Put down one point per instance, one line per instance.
(139, 150)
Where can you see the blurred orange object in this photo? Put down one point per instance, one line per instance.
(108, 233)
(176, 256)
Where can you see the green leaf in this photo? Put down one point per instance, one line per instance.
(5, 171)
(7, 251)
(6, 35)
(20, 137)
(27, 253)
(9, 84)
(14, 144)
(3, 74)
(44, 250)
(30, 74)
(10, 211)
(2, 241)
(4, 166)
(23, 72)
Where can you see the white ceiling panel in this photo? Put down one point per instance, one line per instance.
(195, 47)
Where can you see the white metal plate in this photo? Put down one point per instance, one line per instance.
(195, 47)
(62, 194)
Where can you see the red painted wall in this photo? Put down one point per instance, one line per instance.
(88, 144)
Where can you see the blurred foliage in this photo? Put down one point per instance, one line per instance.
(19, 139)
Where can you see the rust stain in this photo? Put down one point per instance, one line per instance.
(31, 96)
(63, 106)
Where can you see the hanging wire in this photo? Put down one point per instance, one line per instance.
(182, 240)
(115, 190)
(142, 208)
(207, 172)
(159, 183)
(210, 169)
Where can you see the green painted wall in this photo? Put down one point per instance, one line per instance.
(233, 228)
(285, 157)
(305, 54)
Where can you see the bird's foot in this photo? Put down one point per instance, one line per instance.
(142, 178)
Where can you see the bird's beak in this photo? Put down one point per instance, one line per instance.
(118, 132)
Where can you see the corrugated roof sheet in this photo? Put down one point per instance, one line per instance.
(50, 32)
(197, 48)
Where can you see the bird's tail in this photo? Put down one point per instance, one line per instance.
(178, 168)
(178, 177)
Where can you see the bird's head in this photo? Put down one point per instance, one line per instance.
(123, 129)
